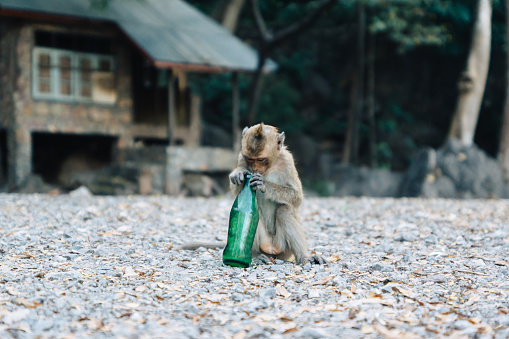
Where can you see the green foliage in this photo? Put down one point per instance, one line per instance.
(421, 47)
(398, 112)
(216, 93)
(278, 106)
(298, 65)
(414, 23)
(384, 155)
(324, 188)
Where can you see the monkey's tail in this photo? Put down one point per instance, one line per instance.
(192, 246)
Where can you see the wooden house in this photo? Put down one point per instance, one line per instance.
(70, 72)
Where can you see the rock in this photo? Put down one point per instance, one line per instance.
(453, 171)
(388, 288)
(462, 324)
(363, 181)
(129, 272)
(309, 332)
(382, 267)
(200, 185)
(431, 239)
(258, 305)
(14, 317)
(142, 285)
(237, 297)
(406, 236)
(438, 278)
(314, 293)
(82, 191)
(267, 293)
(340, 283)
(35, 184)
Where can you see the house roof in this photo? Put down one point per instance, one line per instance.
(171, 33)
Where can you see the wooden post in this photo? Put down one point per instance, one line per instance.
(172, 116)
(183, 108)
(195, 122)
(235, 113)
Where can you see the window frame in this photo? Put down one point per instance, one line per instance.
(75, 75)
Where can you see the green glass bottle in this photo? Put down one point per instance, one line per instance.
(242, 228)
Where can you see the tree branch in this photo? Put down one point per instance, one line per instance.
(295, 29)
(260, 23)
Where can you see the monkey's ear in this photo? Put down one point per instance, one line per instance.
(280, 140)
(245, 131)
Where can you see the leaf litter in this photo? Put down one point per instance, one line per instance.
(111, 267)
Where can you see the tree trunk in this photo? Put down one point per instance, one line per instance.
(351, 149)
(371, 101)
(256, 87)
(271, 40)
(473, 80)
(503, 149)
(347, 147)
(231, 14)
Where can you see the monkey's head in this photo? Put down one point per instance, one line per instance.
(261, 145)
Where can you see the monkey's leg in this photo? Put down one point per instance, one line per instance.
(265, 242)
(263, 250)
(290, 236)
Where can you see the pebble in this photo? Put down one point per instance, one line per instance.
(382, 267)
(406, 236)
(111, 267)
(237, 296)
(267, 293)
(309, 332)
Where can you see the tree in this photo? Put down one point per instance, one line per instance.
(227, 12)
(270, 40)
(231, 14)
(409, 24)
(503, 149)
(473, 80)
(351, 147)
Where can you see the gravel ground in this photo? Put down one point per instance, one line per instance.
(75, 266)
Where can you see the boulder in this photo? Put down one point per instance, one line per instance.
(453, 171)
(363, 181)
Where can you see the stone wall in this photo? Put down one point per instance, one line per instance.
(9, 32)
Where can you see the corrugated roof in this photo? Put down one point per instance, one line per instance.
(172, 33)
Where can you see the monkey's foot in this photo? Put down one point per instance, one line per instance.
(316, 259)
(262, 259)
(270, 248)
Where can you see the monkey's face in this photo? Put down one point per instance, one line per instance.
(260, 147)
(256, 164)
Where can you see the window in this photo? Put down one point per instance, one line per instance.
(70, 76)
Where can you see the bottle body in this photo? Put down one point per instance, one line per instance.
(241, 228)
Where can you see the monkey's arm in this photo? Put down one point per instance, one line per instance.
(237, 176)
(282, 194)
(191, 246)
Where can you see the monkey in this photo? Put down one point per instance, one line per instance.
(279, 194)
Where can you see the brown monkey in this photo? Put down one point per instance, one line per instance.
(278, 193)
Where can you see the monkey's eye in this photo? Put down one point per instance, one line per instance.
(261, 160)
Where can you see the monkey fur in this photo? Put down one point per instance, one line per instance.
(278, 193)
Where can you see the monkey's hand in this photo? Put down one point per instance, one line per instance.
(262, 259)
(257, 183)
(238, 176)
